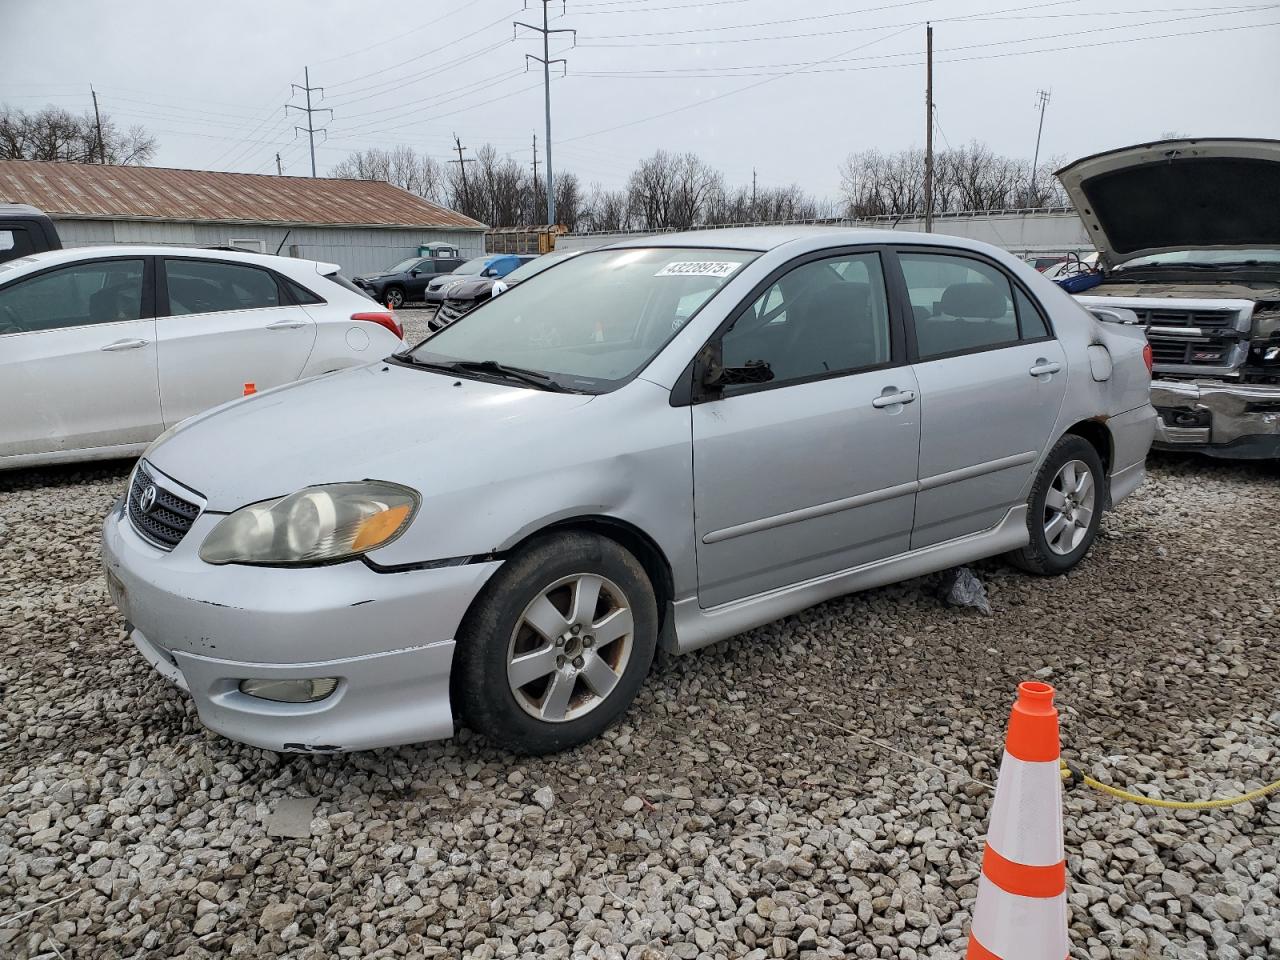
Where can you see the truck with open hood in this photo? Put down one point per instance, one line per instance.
(1189, 237)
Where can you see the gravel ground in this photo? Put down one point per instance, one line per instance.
(738, 810)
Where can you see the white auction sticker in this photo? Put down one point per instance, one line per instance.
(698, 268)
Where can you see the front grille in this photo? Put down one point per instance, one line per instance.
(1193, 351)
(1205, 319)
(169, 517)
(449, 311)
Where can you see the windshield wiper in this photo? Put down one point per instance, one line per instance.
(534, 378)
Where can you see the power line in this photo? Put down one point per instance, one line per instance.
(546, 62)
(310, 128)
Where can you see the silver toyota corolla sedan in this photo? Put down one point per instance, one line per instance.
(663, 442)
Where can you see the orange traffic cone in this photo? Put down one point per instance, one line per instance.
(250, 388)
(1022, 895)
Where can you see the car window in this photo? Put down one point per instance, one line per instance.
(102, 291)
(825, 316)
(207, 286)
(1030, 319)
(959, 304)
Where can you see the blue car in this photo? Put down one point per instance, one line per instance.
(490, 265)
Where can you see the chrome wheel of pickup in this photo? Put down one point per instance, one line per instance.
(1068, 507)
(570, 647)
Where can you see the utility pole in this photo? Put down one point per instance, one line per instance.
(546, 62)
(462, 164)
(928, 130)
(279, 168)
(535, 173)
(753, 192)
(97, 118)
(310, 129)
(1043, 96)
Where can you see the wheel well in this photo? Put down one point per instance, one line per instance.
(1099, 437)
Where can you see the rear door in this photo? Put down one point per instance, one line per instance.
(814, 470)
(78, 358)
(992, 379)
(224, 324)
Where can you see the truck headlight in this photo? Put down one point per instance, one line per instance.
(321, 524)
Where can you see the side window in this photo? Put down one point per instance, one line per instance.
(825, 316)
(207, 286)
(103, 291)
(301, 294)
(958, 304)
(1030, 319)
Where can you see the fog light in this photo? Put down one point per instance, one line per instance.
(290, 691)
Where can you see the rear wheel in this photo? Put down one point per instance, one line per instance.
(394, 297)
(557, 646)
(1064, 509)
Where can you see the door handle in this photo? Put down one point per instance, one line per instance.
(125, 345)
(893, 399)
(1043, 367)
(286, 325)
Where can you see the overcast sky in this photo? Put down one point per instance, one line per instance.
(785, 88)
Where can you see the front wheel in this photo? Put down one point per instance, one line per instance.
(1064, 509)
(395, 298)
(557, 645)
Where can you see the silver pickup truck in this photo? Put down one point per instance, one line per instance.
(1189, 236)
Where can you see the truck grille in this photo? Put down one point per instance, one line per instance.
(1195, 351)
(167, 516)
(1205, 319)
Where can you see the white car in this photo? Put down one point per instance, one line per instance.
(103, 348)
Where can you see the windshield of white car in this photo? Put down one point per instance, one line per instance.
(592, 323)
(471, 267)
(1206, 259)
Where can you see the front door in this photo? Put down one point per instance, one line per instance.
(78, 359)
(225, 325)
(814, 470)
(992, 380)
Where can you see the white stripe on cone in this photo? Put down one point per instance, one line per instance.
(1020, 928)
(1026, 817)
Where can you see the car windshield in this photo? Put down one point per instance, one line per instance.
(594, 322)
(471, 267)
(535, 266)
(404, 265)
(1208, 258)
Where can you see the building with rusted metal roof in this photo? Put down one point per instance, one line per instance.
(364, 225)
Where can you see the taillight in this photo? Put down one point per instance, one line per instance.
(1147, 358)
(386, 319)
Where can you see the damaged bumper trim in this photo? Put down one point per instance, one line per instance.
(1235, 421)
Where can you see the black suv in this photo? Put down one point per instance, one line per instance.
(25, 230)
(406, 281)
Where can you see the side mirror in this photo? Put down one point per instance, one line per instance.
(711, 376)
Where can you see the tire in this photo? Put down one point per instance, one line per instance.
(563, 666)
(1055, 550)
(395, 297)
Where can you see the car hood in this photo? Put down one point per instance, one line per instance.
(1178, 195)
(449, 279)
(375, 276)
(382, 421)
(471, 289)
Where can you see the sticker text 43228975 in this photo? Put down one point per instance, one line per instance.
(698, 268)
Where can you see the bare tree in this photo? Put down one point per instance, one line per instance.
(57, 134)
(402, 166)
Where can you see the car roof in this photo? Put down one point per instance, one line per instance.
(762, 239)
(72, 254)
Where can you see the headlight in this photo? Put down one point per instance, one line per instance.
(316, 525)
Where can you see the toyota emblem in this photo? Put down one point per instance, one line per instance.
(148, 499)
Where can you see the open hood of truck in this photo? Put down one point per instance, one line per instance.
(1178, 195)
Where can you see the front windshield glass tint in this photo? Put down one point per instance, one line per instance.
(1209, 257)
(404, 265)
(472, 267)
(595, 320)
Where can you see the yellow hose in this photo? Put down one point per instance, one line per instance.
(1072, 773)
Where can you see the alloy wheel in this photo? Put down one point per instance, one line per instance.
(1068, 507)
(570, 647)
(395, 298)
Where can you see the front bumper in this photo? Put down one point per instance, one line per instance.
(386, 637)
(1233, 421)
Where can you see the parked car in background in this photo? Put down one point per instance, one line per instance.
(1043, 263)
(1189, 237)
(406, 282)
(490, 266)
(462, 297)
(669, 440)
(24, 230)
(103, 348)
